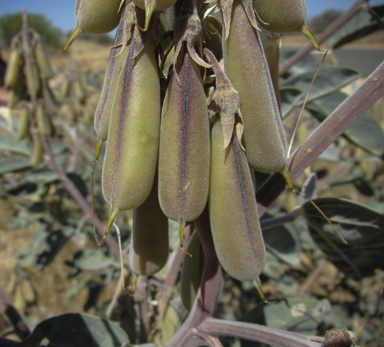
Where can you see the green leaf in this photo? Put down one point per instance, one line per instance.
(42, 176)
(361, 25)
(76, 330)
(290, 98)
(308, 63)
(301, 316)
(361, 227)
(365, 132)
(14, 165)
(309, 188)
(11, 143)
(281, 241)
(92, 259)
(329, 80)
(44, 246)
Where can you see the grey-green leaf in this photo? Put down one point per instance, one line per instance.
(329, 80)
(365, 132)
(76, 330)
(359, 26)
(361, 227)
(301, 316)
(12, 144)
(14, 165)
(92, 259)
(290, 98)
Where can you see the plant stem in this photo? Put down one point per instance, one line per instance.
(73, 191)
(351, 109)
(256, 332)
(212, 284)
(339, 22)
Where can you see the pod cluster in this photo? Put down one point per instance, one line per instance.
(27, 77)
(189, 108)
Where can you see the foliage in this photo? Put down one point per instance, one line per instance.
(10, 25)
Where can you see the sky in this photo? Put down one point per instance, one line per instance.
(61, 12)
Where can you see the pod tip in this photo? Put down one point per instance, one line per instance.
(98, 148)
(74, 35)
(111, 218)
(133, 285)
(257, 284)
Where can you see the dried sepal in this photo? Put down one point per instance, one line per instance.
(129, 19)
(188, 29)
(225, 101)
(226, 9)
(339, 338)
(249, 10)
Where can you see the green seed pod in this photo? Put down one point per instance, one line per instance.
(37, 154)
(192, 272)
(43, 122)
(17, 93)
(149, 247)
(50, 104)
(233, 211)
(94, 17)
(284, 16)
(32, 77)
(23, 130)
(184, 146)
(14, 69)
(271, 44)
(105, 104)
(133, 138)
(65, 88)
(42, 61)
(246, 66)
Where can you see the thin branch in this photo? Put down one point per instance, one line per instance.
(73, 191)
(21, 328)
(256, 332)
(337, 24)
(212, 284)
(143, 307)
(371, 90)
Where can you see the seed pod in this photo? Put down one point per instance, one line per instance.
(32, 76)
(49, 101)
(43, 122)
(246, 66)
(17, 94)
(133, 138)
(42, 61)
(149, 247)
(37, 155)
(284, 16)
(192, 272)
(94, 17)
(13, 71)
(25, 117)
(184, 146)
(233, 211)
(65, 88)
(105, 104)
(271, 44)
